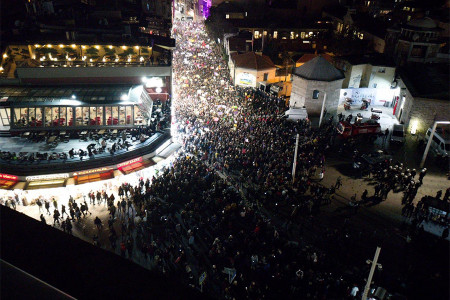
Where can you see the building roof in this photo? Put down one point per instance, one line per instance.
(318, 69)
(308, 56)
(375, 59)
(426, 22)
(427, 80)
(251, 60)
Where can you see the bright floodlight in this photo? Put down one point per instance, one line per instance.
(74, 97)
(124, 97)
(158, 90)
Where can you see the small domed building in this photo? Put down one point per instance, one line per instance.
(311, 81)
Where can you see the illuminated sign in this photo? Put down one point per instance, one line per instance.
(130, 162)
(98, 170)
(8, 177)
(47, 177)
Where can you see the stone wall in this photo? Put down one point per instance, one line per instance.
(302, 94)
(426, 111)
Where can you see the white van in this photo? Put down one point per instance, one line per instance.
(440, 145)
(398, 134)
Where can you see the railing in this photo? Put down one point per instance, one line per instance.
(71, 165)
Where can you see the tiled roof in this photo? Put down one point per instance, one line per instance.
(308, 56)
(253, 61)
(318, 69)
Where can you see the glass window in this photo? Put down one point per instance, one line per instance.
(115, 115)
(70, 116)
(128, 112)
(62, 116)
(39, 114)
(48, 116)
(122, 115)
(93, 115)
(4, 116)
(17, 120)
(55, 120)
(108, 115)
(85, 115)
(315, 94)
(78, 116)
(100, 115)
(275, 34)
(32, 116)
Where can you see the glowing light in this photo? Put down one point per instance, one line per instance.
(83, 47)
(1, 69)
(124, 47)
(141, 58)
(414, 127)
(144, 79)
(136, 47)
(129, 59)
(61, 45)
(37, 45)
(5, 55)
(158, 90)
(74, 97)
(49, 46)
(124, 97)
(97, 47)
(110, 47)
(73, 46)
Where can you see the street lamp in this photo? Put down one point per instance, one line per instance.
(372, 270)
(427, 148)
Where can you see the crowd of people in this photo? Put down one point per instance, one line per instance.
(208, 211)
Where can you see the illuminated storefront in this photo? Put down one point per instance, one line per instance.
(7, 181)
(75, 107)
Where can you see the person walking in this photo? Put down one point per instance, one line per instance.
(98, 223)
(39, 204)
(63, 211)
(338, 183)
(56, 217)
(43, 219)
(47, 207)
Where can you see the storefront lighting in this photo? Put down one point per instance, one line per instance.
(37, 46)
(61, 45)
(129, 59)
(5, 55)
(1, 69)
(141, 58)
(97, 47)
(49, 46)
(124, 47)
(116, 60)
(136, 47)
(414, 125)
(110, 47)
(83, 47)
(158, 90)
(73, 46)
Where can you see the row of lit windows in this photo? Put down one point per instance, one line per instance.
(76, 116)
(293, 35)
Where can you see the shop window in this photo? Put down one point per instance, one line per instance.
(78, 117)
(99, 117)
(315, 94)
(62, 116)
(48, 116)
(4, 116)
(122, 117)
(70, 116)
(302, 35)
(128, 110)
(115, 115)
(108, 115)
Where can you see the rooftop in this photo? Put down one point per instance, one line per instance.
(427, 80)
(318, 69)
(375, 59)
(253, 61)
(308, 56)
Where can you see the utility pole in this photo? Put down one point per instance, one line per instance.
(372, 270)
(427, 148)
(294, 165)
(323, 108)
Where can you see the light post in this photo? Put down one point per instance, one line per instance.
(427, 148)
(323, 107)
(372, 270)
(294, 164)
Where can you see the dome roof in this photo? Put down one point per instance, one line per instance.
(423, 23)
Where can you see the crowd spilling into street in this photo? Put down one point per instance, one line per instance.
(208, 213)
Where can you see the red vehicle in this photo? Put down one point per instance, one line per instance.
(369, 128)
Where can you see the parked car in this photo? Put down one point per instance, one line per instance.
(398, 134)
